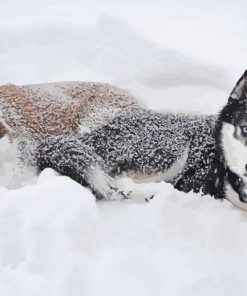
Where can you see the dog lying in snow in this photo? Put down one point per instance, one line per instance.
(31, 113)
(205, 154)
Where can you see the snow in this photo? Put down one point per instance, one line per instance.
(55, 239)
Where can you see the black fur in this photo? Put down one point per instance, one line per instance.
(233, 112)
(145, 142)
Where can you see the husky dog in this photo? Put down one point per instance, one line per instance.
(231, 143)
(30, 113)
(205, 154)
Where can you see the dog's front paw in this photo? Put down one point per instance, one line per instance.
(147, 199)
(142, 196)
(118, 194)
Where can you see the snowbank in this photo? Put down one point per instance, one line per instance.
(56, 240)
(46, 231)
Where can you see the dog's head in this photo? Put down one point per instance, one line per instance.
(232, 140)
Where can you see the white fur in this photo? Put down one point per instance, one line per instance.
(233, 197)
(235, 151)
(105, 184)
(138, 192)
(83, 129)
(11, 174)
(3, 122)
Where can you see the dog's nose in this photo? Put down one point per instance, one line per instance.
(246, 167)
(243, 197)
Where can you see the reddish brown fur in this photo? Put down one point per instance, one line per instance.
(60, 108)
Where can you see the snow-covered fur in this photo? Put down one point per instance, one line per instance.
(142, 144)
(29, 114)
(231, 142)
(192, 152)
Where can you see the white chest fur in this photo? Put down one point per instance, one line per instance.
(233, 197)
(235, 151)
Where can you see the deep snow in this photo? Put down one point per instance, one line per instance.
(54, 238)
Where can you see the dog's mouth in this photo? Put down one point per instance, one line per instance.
(238, 184)
(242, 192)
(243, 196)
(238, 199)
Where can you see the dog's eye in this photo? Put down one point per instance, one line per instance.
(244, 130)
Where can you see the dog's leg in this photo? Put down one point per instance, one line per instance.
(104, 186)
(138, 192)
(73, 158)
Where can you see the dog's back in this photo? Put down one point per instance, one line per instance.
(60, 108)
(31, 113)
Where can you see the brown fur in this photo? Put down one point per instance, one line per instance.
(59, 108)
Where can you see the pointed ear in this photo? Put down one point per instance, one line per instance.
(240, 90)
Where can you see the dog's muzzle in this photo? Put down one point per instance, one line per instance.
(243, 197)
(238, 184)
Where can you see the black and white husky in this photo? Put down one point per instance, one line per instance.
(206, 154)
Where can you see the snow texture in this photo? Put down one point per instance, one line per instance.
(55, 239)
(142, 144)
(31, 113)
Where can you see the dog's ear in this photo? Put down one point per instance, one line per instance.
(240, 90)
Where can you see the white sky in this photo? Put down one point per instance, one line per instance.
(121, 41)
(213, 30)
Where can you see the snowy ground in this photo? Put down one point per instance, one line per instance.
(54, 238)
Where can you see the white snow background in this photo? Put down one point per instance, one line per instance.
(55, 239)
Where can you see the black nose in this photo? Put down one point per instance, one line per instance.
(246, 167)
(243, 197)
